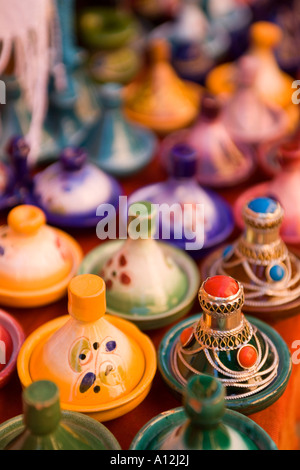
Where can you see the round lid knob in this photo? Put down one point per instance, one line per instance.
(263, 205)
(265, 34)
(204, 401)
(73, 159)
(41, 407)
(26, 219)
(182, 161)
(210, 107)
(86, 298)
(111, 95)
(159, 50)
(221, 286)
(263, 213)
(18, 148)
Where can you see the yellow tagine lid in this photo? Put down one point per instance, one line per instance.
(92, 361)
(159, 99)
(36, 261)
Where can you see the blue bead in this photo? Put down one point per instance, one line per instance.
(111, 345)
(277, 272)
(263, 205)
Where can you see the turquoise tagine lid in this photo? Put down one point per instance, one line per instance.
(203, 423)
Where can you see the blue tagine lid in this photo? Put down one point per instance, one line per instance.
(70, 191)
(248, 356)
(198, 218)
(116, 145)
(202, 423)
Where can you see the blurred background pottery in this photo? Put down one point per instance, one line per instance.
(197, 230)
(116, 145)
(37, 261)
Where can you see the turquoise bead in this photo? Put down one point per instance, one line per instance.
(277, 272)
(227, 250)
(263, 205)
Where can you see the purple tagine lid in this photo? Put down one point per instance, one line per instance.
(189, 216)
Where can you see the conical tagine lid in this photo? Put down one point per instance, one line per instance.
(43, 426)
(139, 276)
(221, 161)
(203, 423)
(92, 361)
(159, 99)
(73, 188)
(33, 255)
(117, 145)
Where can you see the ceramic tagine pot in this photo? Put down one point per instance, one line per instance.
(273, 84)
(36, 261)
(197, 44)
(107, 27)
(288, 18)
(247, 115)
(202, 423)
(116, 145)
(158, 98)
(221, 161)
(11, 340)
(44, 426)
(102, 365)
(156, 10)
(69, 191)
(245, 354)
(261, 261)
(148, 282)
(283, 160)
(201, 218)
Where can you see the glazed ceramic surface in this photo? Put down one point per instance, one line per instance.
(158, 98)
(153, 300)
(202, 423)
(43, 426)
(221, 161)
(102, 366)
(248, 356)
(117, 145)
(283, 187)
(70, 191)
(118, 66)
(208, 219)
(36, 261)
(11, 339)
(261, 261)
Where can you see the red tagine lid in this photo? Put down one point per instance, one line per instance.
(221, 286)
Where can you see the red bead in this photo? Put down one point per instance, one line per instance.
(221, 286)
(186, 334)
(247, 356)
